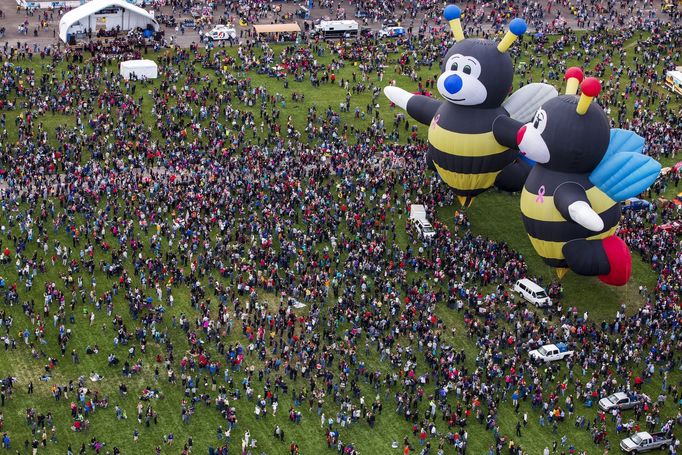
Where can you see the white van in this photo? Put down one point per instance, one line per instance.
(532, 292)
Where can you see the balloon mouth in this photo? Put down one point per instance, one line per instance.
(519, 135)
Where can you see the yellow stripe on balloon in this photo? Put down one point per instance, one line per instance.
(471, 145)
(554, 250)
(542, 208)
(466, 182)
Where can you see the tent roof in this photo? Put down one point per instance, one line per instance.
(276, 28)
(144, 63)
(85, 10)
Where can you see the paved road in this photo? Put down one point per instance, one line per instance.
(12, 19)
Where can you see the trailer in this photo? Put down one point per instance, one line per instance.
(673, 80)
(337, 29)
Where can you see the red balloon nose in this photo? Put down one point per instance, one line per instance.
(520, 133)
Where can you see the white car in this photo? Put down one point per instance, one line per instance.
(222, 32)
(551, 352)
(392, 32)
(424, 228)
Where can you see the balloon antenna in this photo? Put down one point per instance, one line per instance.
(589, 88)
(574, 76)
(452, 14)
(517, 27)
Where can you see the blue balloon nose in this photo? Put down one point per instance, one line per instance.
(453, 84)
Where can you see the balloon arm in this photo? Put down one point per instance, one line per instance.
(505, 130)
(423, 108)
(571, 201)
(398, 96)
(582, 213)
(513, 176)
(419, 107)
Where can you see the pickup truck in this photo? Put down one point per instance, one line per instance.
(551, 352)
(644, 441)
(622, 401)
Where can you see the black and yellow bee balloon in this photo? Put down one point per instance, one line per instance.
(570, 201)
(476, 78)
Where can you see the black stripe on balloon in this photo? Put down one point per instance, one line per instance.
(467, 119)
(563, 231)
(551, 179)
(557, 263)
(473, 165)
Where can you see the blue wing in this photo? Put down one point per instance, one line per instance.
(623, 141)
(625, 174)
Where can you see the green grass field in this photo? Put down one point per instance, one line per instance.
(494, 214)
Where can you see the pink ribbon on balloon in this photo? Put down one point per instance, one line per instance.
(435, 121)
(541, 195)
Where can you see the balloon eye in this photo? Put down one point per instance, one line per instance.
(466, 69)
(454, 67)
(536, 123)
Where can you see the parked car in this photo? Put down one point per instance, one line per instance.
(392, 32)
(424, 228)
(167, 20)
(551, 352)
(360, 14)
(189, 23)
(636, 204)
(622, 401)
(675, 227)
(303, 12)
(366, 32)
(532, 292)
(644, 442)
(390, 23)
(221, 32)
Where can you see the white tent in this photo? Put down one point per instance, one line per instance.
(106, 14)
(142, 69)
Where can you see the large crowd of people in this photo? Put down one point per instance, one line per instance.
(174, 212)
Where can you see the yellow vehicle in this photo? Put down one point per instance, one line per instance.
(673, 80)
(670, 5)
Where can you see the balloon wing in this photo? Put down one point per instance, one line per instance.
(624, 141)
(625, 174)
(524, 103)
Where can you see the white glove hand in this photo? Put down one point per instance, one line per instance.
(398, 96)
(584, 215)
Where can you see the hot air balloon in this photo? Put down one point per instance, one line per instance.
(476, 77)
(570, 201)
